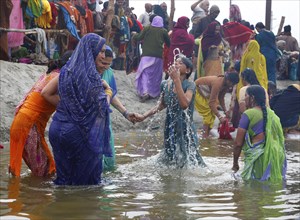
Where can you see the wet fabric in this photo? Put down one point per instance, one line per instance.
(76, 164)
(180, 137)
(202, 106)
(149, 76)
(266, 160)
(224, 130)
(109, 162)
(27, 139)
(79, 133)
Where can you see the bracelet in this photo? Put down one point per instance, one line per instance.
(125, 113)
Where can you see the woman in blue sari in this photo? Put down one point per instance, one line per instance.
(267, 42)
(79, 133)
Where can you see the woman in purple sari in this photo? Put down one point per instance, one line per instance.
(79, 133)
(150, 70)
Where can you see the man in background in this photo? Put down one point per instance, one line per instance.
(144, 18)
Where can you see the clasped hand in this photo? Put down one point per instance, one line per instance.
(135, 117)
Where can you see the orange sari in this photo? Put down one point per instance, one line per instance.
(27, 139)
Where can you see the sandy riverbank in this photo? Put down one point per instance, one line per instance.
(16, 79)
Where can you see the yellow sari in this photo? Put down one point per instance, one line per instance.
(253, 59)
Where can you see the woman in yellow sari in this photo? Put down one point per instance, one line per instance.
(253, 59)
(27, 139)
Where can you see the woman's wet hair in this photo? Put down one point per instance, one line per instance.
(188, 63)
(233, 77)
(249, 76)
(259, 95)
(59, 63)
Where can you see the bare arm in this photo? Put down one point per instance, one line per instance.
(116, 103)
(50, 92)
(238, 143)
(184, 98)
(160, 106)
(193, 6)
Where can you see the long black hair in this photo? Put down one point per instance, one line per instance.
(250, 77)
(59, 63)
(259, 95)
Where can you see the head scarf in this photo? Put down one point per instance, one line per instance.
(235, 13)
(181, 23)
(82, 95)
(210, 37)
(181, 39)
(157, 22)
(253, 59)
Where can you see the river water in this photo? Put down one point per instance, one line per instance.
(141, 189)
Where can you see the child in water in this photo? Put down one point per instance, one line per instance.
(180, 137)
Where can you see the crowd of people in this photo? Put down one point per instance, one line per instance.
(229, 58)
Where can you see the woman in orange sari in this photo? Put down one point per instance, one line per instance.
(27, 139)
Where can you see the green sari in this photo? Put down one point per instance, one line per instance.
(109, 162)
(265, 160)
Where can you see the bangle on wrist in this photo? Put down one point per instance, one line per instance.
(125, 113)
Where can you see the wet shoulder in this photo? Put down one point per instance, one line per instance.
(188, 85)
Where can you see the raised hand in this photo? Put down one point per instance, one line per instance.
(173, 72)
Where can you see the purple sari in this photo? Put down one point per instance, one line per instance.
(79, 133)
(150, 70)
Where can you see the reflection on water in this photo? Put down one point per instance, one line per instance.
(142, 189)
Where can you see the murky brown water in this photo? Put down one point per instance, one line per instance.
(140, 189)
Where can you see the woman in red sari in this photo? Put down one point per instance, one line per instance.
(181, 39)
